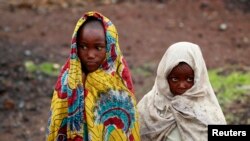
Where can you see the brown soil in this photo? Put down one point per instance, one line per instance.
(42, 32)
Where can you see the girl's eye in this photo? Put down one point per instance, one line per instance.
(190, 79)
(83, 47)
(99, 48)
(174, 79)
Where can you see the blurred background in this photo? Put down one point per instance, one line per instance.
(35, 40)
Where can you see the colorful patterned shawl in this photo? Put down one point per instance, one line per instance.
(102, 110)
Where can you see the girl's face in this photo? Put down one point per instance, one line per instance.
(181, 78)
(91, 46)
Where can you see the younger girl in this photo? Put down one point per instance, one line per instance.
(182, 102)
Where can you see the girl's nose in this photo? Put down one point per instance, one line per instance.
(91, 54)
(183, 85)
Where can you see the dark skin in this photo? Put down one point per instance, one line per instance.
(91, 46)
(181, 78)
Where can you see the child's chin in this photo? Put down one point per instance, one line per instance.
(178, 94)
(90, 70)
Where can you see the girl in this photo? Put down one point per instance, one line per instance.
(182, 102)
(93, 97)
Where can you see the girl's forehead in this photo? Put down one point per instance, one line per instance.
(182, 67)
(94, 24)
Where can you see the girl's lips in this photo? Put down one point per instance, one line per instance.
(91, 63)
(179, 92)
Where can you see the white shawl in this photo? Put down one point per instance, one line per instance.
(161, 112)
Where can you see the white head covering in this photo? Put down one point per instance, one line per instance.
(161, 112)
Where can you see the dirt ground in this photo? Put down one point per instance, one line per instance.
(42, 32)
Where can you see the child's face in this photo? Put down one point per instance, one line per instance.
(181, 78)
(91, 46)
